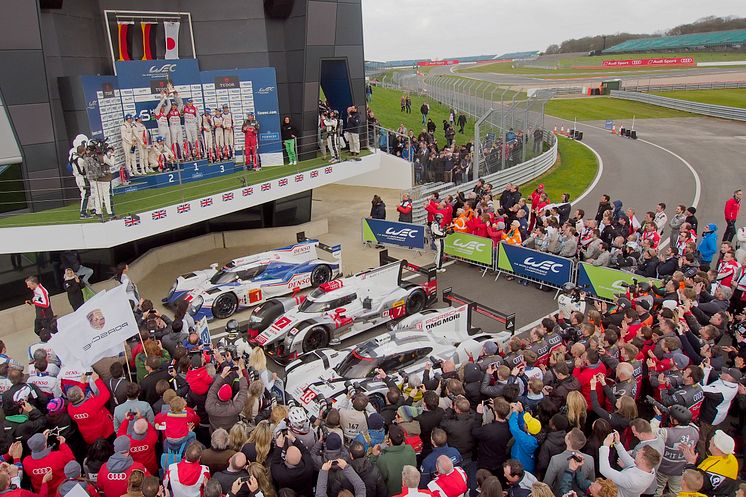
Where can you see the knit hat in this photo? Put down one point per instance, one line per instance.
(724, 442)
(225, 393)
(122, 444)
(407, 413)
(37, 442)
(533, 425)
(55, 405)
(680, 360)
(72, 469)
(333, 442)
(489, 348)
(375, 421)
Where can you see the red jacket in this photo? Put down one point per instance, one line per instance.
(142, 451)
(732, 206)
(176, 425)
(199, 380)
(115, 484)
(404, 207)
(584, 376)
(92, 416)
(495, 234)
(54, 461)
(20, 492)
(477, 227)
(431, 208)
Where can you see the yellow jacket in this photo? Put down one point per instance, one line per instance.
(721, 465)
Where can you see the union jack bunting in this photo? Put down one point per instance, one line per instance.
(314, 174)
(227, 197)
(181, 209)
(205, 202)
(266, 186)
(132, 220)
(247, 191)
(298, 178)
(328, 170)
(283, 182)
(159, 214)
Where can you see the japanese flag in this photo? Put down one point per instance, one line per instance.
(171, 29)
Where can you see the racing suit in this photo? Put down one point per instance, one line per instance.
(217, 124)
(207, 136)
(191, 126)
(127, 133)
(228, 135)
(174, 124)
(158, 155)
(250, 130)
(322, 136)
(142, 140)
(161, 117)
(84, 186)
(331, 138)
(95, 170)
(438, 234)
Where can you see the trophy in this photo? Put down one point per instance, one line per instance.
(170, 87)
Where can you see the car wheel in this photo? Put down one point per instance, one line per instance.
(320, 274)
(316, 338)
(225, 305)
(377, 401)
(415, 302)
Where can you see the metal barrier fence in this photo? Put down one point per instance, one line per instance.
(721, 111)
(683, 87)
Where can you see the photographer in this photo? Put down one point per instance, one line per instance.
(45, 459)
(222, 406)
(492, 437)
(132, 405)
(636, 475)
(570, 468)
(90, 412)
(347, 472)
(291, 465)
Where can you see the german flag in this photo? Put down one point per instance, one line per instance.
(125, 35)
(148, 40)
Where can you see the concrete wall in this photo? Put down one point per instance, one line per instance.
(395, 173)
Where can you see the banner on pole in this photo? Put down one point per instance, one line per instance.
(607, 283)
(203, 331)
(547, 268)
(96, 330)
(393, 233)
(470, 248)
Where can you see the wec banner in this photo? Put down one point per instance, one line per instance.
(96, 330)
(471, 248)
(606, 283)
(406, 235)
(547, 268)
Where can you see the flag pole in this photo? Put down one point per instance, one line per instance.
(126, 361)
(143, 345)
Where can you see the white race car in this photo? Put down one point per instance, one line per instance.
(251, 280)
(320, 377)
(341, 308)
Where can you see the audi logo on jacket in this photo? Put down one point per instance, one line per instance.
(92, 417)
(54, 461)
(114, 474)
(142, 448)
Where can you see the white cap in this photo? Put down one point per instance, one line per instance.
(670, 304)
(724, 442)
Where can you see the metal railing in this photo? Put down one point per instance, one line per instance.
(683, 87)
(721, 111)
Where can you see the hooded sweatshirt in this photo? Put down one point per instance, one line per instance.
(199, 380)
(142, 447)
(113, 476)
(70, 483)
(40, 463)
(186, 478)
(92, 416)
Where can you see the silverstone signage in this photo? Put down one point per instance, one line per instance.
(470, 248)
(540, 266)
(606, 283)
(384, 232)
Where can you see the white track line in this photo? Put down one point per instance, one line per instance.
(598, 174)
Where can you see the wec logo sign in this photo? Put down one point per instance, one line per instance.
(543, 265)
(266, 90)
(165, 68)
(473, 245)
(404, 232)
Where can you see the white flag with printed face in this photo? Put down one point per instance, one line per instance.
(171, 29)
(96, 330)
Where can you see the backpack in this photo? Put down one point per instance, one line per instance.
(413, 441)
(171, 456)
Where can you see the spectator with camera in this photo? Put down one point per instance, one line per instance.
(492, 436)
(143, 440)
(46, 459)
(562, 463)
(132, 405)
(519, 480)
(392, 458)
(223, 406)
(291, 465)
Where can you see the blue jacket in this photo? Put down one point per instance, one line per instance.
(376, 438)
(708, 247)
(525, 445)
(428, 469)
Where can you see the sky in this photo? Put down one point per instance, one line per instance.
(413, 29)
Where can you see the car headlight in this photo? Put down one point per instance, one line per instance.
(196, 304)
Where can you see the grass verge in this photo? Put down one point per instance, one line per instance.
(601, 108)
(385, 106)
(735, 97)
(574, 171)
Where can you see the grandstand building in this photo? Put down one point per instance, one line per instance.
(718, 40)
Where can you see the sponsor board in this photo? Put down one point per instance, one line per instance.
(550, 269)
(661, 61)
(393, 233)
(606, 283)
(470, 248)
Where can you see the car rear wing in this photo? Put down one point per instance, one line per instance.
(429, 272)
(334, 250)
(454, 299)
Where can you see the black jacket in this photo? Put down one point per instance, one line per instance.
(458, 427)
(147, 385)
(368, 472)
(428, 421)
(493, 441)
(74, 291)
(601, 209)
(288, 133)
(378, 211)
(553, 444)
(226, 479)
(472, 384)
(299, 478)
(353, 122)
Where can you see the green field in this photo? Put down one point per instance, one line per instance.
(385, 106)
(564, 65)
(146, 200)
(573, 173)
(602, 108)
(729, 97)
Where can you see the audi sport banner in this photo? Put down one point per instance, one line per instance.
(470, 248)
(606, 283)
(383, 232)
(533, 264)
(661, 61)
(96, 330)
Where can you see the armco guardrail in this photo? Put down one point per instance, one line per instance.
(518, 174)
(720, 111)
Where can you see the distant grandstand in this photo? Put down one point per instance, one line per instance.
(695, 41)
(372, 66)
(532, 54)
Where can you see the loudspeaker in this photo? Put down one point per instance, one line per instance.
(278, 9)
(50, 4)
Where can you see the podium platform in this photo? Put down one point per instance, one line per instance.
(186, 173)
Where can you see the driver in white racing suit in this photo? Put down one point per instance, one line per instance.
(330, 122)
(159, 155)
(160, 114)
(439, 234)
(191, 126)
(77, 160)
(174, 125)
(217, 124)
(206, 127)
(228, 132)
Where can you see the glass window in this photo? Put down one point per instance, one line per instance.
(404, 359)
(223, 277)
(358, 366)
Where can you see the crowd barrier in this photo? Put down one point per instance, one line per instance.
(473, 249)
(721, 111)
(382, 232)
(541, 267)
(605, 283)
